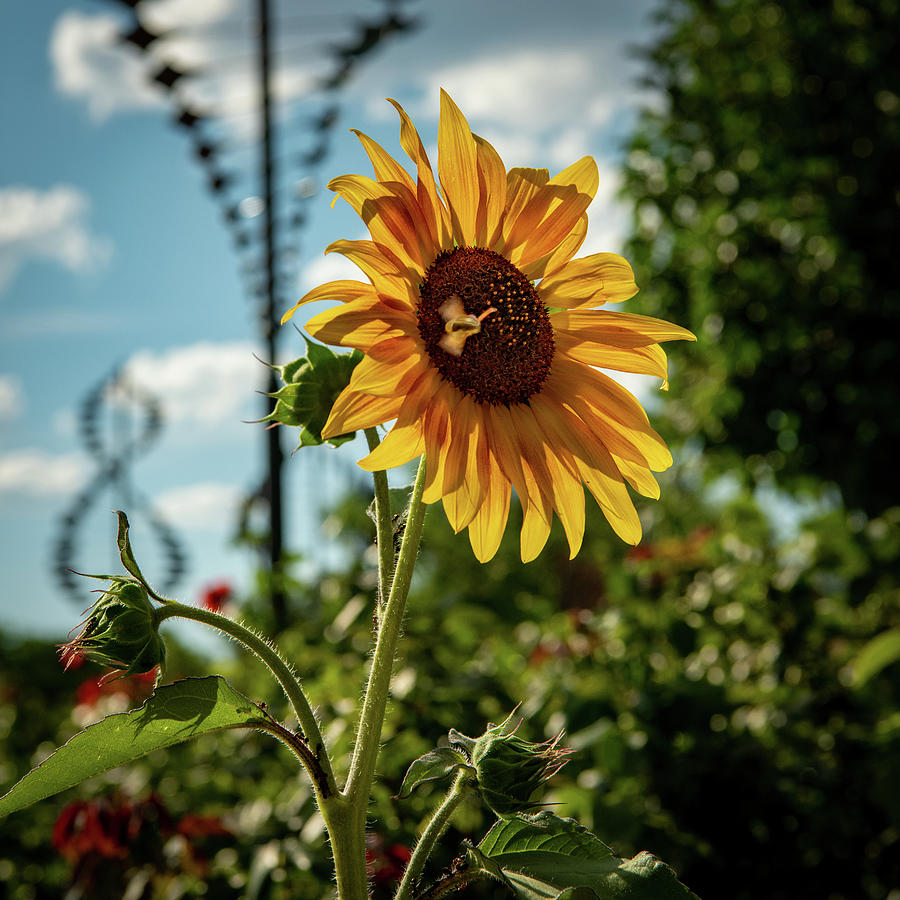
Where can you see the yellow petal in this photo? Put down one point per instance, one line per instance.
(400, 362)
(457, 170)
(426, 190)
(525, 465)
(405, 440)
(381, 266)
(560, 255)
(353, 411)
(594, 464)
(464, 487)
(589, 281)
(552, 213)
(386, 216)
(361, 323)
(492, 193)
(612, 498)
(384, 165)
(522, 184)
(568, 499)
(505, 444)
(618, 328)
(438, 425)
(552, 463)
(535, 528)
(639, 477)
(608, 409)
(649, 360)
(344, 291)
(487, 526)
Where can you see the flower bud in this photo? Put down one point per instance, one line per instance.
(311, 385)
(509, 769)
(120, 631)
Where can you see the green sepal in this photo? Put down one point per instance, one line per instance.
(545, 857)
(434, 765)
(127, 555)
(311, 385)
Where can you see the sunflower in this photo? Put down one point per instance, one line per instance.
(482, 340)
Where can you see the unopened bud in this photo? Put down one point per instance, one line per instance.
(120, 631)
(510, 770)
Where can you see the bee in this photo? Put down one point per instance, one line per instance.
(459, 325)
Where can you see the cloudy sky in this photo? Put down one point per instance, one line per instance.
(114, 254)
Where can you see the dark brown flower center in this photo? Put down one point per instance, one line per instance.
(484, 326)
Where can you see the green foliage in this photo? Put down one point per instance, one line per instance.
(766, 197)
(881, 651)
(544, 857)
(311, 385)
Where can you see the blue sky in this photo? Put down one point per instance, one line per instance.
(113, 252)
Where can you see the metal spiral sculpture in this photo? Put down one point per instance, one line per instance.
(114, 453)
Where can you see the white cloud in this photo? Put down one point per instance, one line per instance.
(11, 399)
(90, 64)
(93, 65)
(209, 505)
(529, 89)
(37, 473)
(47, 225)
(202, 384)
(166, 14)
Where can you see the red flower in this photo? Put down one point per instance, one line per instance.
(193, 826)
(92, 827)
(385, 865)
(215, 596)
(135, 687)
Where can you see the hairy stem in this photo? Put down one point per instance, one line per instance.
(383, 527)
(435, 828)
(279, 668)
(362, 768)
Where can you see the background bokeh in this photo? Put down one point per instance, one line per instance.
(711, 680)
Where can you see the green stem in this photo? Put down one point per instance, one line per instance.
(348, 847)
(280, 669)
(435, 828)
(384, 529)
(362, 768)
(346, 817)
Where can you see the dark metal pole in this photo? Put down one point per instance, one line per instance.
(275, 454)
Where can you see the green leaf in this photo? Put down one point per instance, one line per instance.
(544, 857)
(172, 714)
(881, 651)
(435, 764)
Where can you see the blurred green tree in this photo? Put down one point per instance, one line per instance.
(766, 192)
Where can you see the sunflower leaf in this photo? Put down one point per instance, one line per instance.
(434, 765)
(545, 857)
(173, 713)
